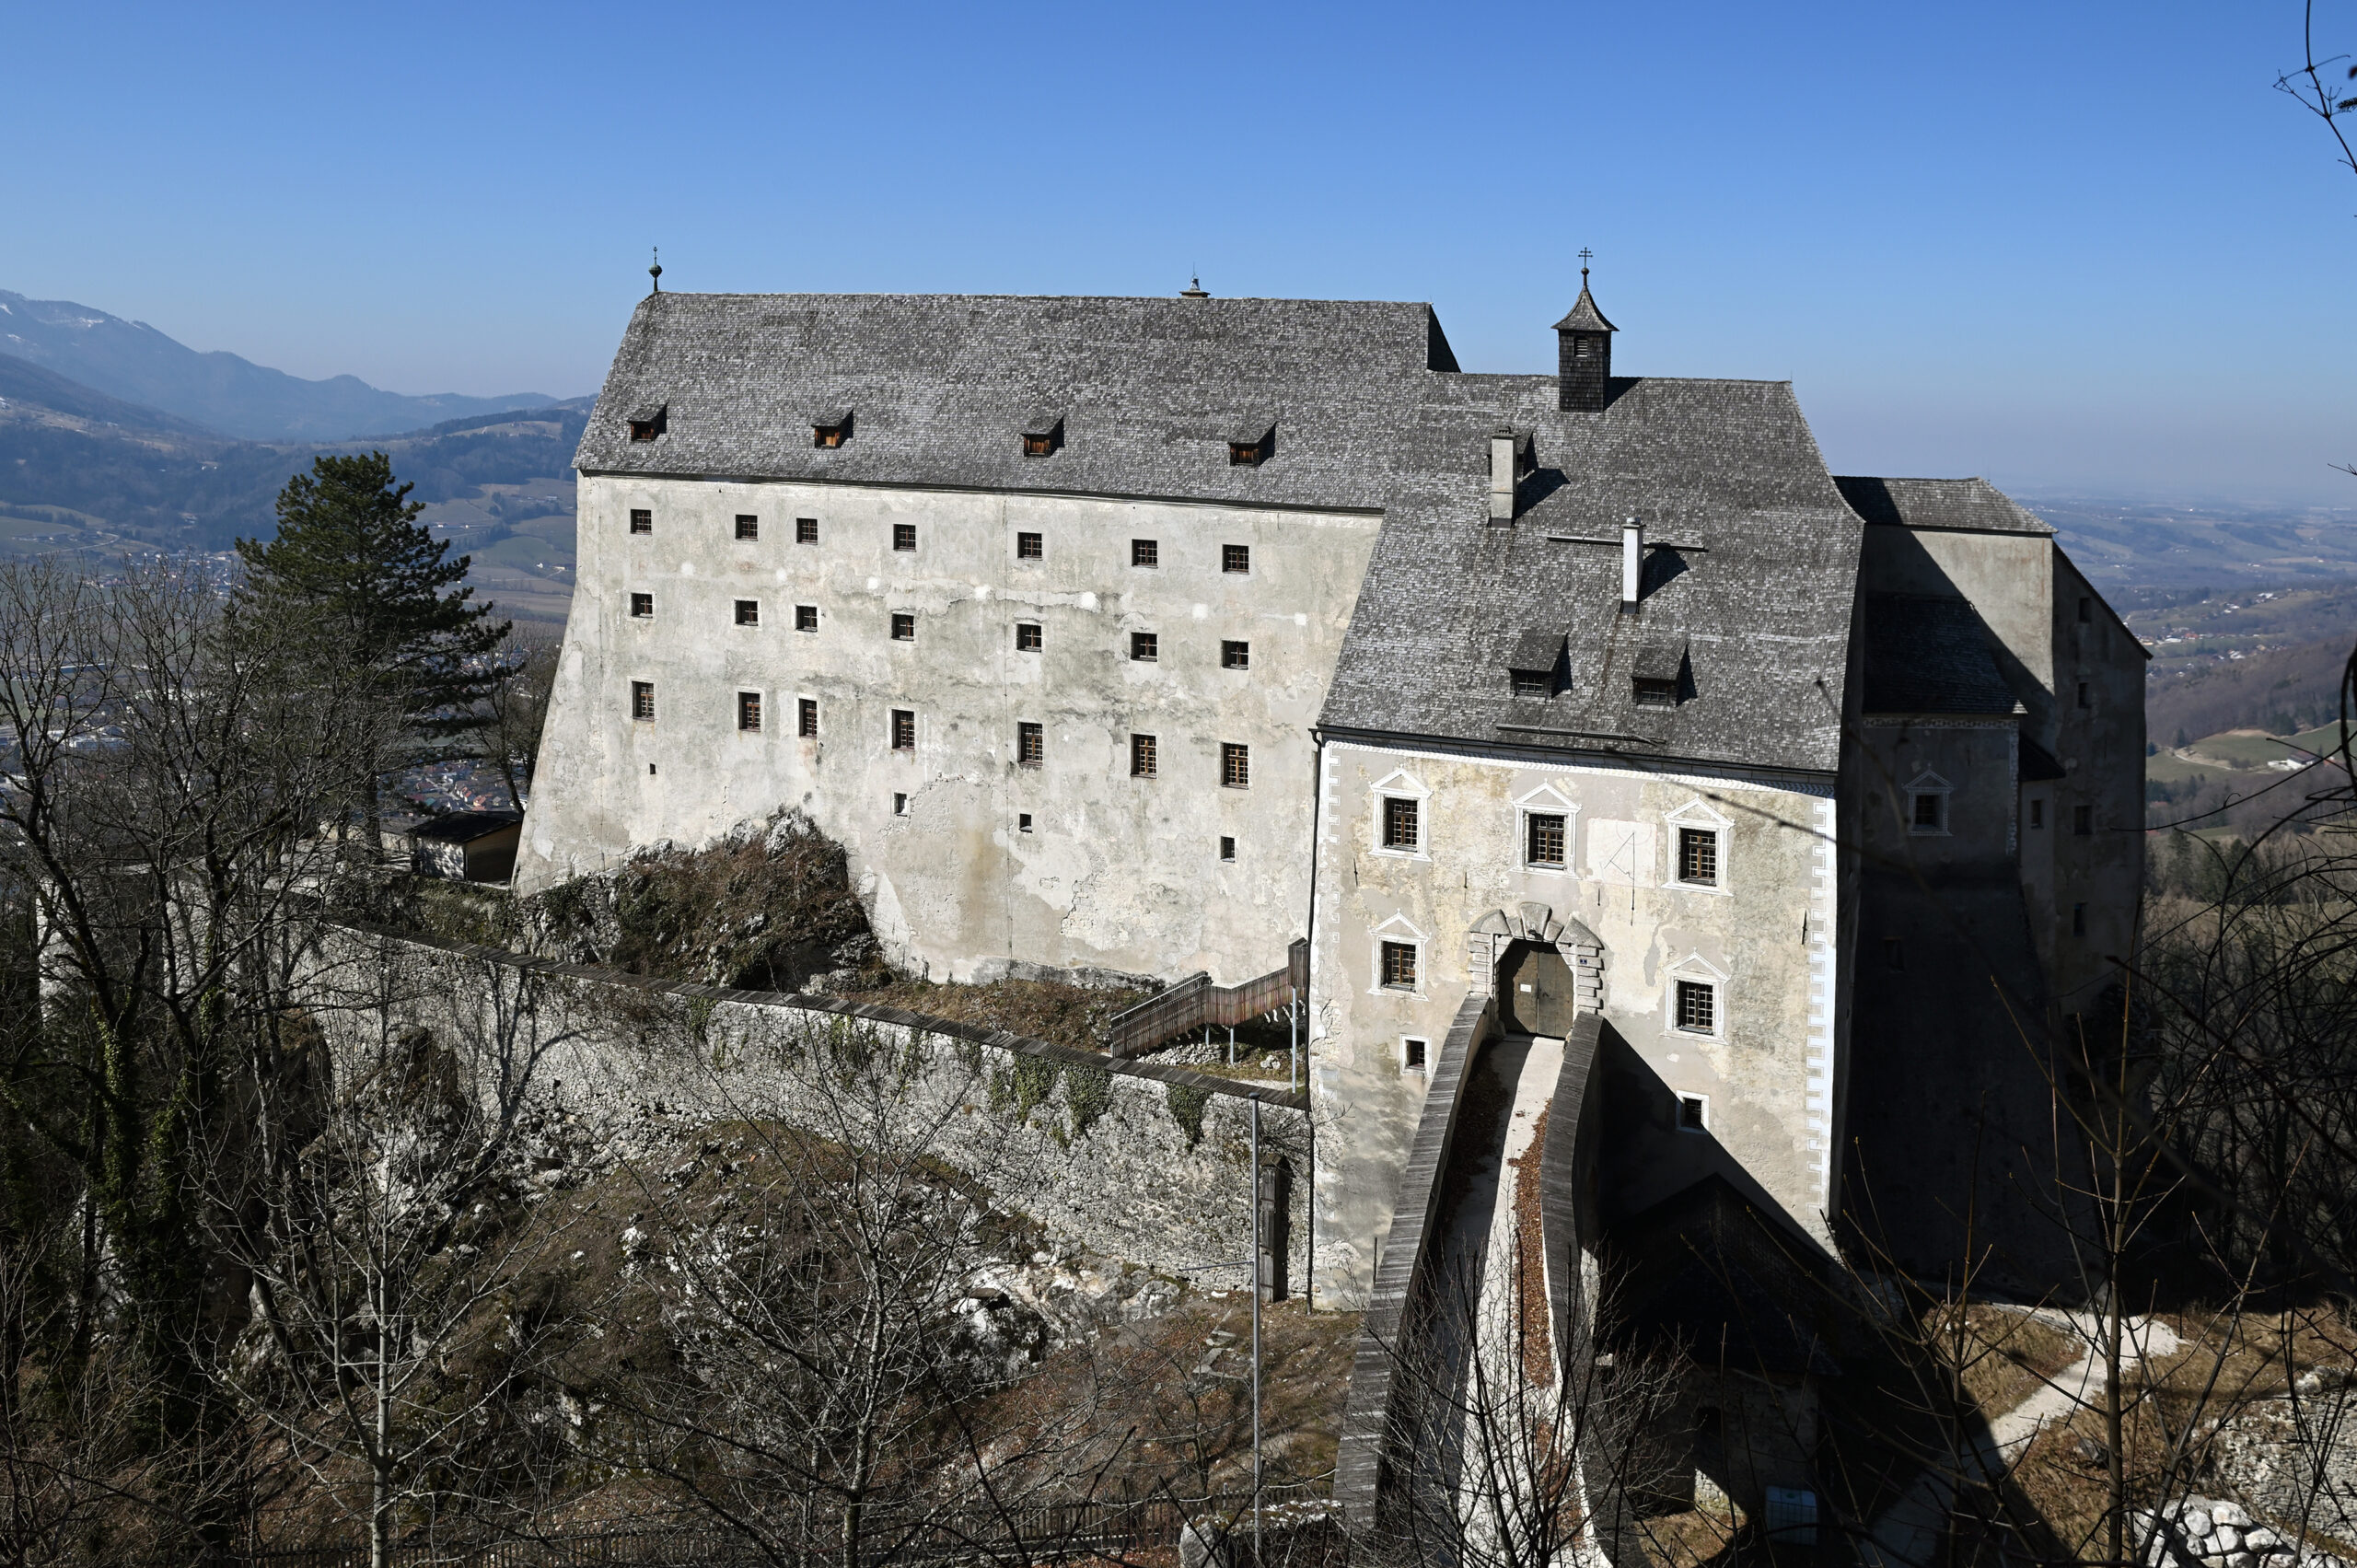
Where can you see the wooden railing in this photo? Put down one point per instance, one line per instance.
(1195, 1003)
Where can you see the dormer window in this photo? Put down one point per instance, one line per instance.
(1043, 434)
(830, 428)
(1252, 444)
(1533, 662)
(1658, 677)
(1654, 693)
(650, 422)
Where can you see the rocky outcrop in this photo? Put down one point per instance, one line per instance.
(2201, 1532)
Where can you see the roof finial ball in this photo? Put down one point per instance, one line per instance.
(656, 271)
(1583, 352)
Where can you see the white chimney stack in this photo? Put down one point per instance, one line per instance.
(1501, 476)
(1633, 561)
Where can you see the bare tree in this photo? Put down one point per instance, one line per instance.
(517, 705)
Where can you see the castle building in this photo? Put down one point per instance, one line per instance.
(1144, 636)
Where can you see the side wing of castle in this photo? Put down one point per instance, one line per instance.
(1146, 636)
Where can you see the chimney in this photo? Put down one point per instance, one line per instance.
(1502, 475)
(1633, 563)
(1584, 355)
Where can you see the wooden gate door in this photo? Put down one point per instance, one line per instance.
(1535, 988)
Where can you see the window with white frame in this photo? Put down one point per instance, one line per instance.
(1415, 1054)
(1401, 828)
(1397, 957)
(1398, 802)
(1699, 841)
(1927, 805)
(1399, 966)
(1698, 1006)
(1544, 821)
(1695, 999)
(1693, 1113)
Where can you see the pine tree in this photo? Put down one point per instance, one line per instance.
(386, 614)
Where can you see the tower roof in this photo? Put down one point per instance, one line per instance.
(1584, 317)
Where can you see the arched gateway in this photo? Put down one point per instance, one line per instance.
(1544, 972)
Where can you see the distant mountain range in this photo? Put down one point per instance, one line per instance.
(224, 393)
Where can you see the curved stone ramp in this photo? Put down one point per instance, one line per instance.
(1499, 1182)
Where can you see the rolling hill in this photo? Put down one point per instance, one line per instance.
(133, 361)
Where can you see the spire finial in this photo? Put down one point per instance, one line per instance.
(1585, 254)
(656, 271)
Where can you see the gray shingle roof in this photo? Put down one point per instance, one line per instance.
(1583, 316)
(1973, 505)
(1372, 414)
(1927, 654)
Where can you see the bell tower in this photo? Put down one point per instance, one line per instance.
(1583, 348)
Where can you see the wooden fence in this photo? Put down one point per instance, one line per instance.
(1103, 1530)
(1195, 1003)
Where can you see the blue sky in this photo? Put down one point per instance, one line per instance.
(2075, 247)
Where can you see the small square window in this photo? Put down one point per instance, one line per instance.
(1413, 1053)
(1399, 966)
(2085, 699)
(641, 520)
(805, 618)
(904, 730)
(1029, 547)
(1235, 655)
(1227, 848)
(1928, 811)
(748, 526)
(1030, 745)
(807, 719)
(1142, 757)
(1544, 838)
(1235, 558)
(642, 606)
(1146, 646)
(904, 536)
(806, 531)
(1235, 765)
(1654, 693)
(2037, 813)
(1698, 856)
(1399, 824)
(1023, 821)
(2078, 920)
(899, 804)
(642, 699)
(1027, 636)
(904, 626)
(1145, 552)
(748, 612)
(648, 428)
(1698, 1006)
(1693, 1113)
(1894, 953)
(2083, 820)
(748, 710)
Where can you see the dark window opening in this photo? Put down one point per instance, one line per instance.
(748, 526)
(1227, 848)
(904, 730)
(1399, 966)
(1141, 757)
(1653, 691)
(805, 618)
(1251, 453)
(1235, 765)
(809, 717)
(2037, 814)
(1030, 745)
(1533, 683)
(1235, 655)
(648, 423)
(1146, 646)
(1235, 558)
(1894, 953)
(1023, 821)
(899, 804)
(1693, 1113)
(904, 627)
(642, 699)
(1039, 442)
(748, 612)
(748, 710)
(1698, 856)
(832, 434)
(1029, 547)
(642, 606)
(2083, 820)
(2085, 699)
(1399, 824)
(904, 536)
(1145, 552)
(1928, 811)
(1039, 446)
(2086, 611)
(1544, 838)
(1698, 1006)
(642, 519)
(1412, 1054)
(1027, 636)
(806, 531)
(2078, 920)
